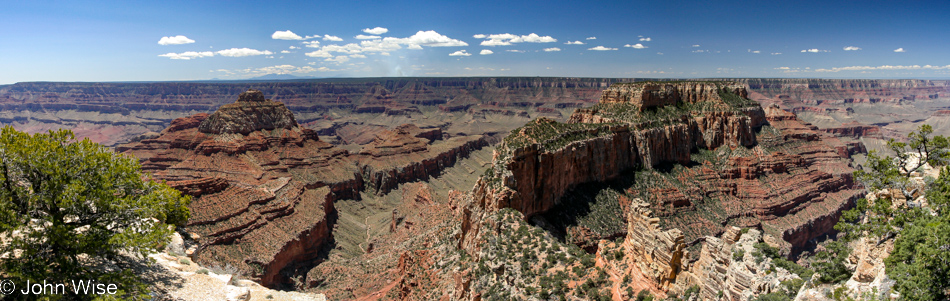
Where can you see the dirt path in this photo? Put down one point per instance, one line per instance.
(365, 224)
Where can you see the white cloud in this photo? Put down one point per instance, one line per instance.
(699, 51)
(515, 51)
(756, 51)
(574, 43)
(428, 38)
(592, 38)
(295, 47)
(899, 50)
(460, 53)
(176, 40)
(814, 50)
(506, 39)
(852, 48)
(366, 37)
(284, 51)
(327, 37)
(338, 59)
(311, 37)
(647, 39)
(534, 38)
(311, 44)
(601, 48)
(348, 48)
(187, 55)
(357, 56)
(636, 46)
(694, 46)
(285, 35)
(552, 49)
(385, 45)
(783, 68)
(486, 52)
(241, 52)
(376, 30)
(660, 53)
(776, 53)
(319, 53)
(884, 67)
(479, 36)
(277, 69)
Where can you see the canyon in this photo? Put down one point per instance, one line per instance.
(473, 188)
(701, 156)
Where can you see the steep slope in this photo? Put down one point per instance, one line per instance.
(265, 188)
(701, 155)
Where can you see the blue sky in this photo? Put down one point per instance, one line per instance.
(120, 40)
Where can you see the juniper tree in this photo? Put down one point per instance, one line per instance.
(67, 207)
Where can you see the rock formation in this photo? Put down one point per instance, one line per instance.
(727, 265)
(264, 188)
(734, 163)
(658, 253)
(409, 153)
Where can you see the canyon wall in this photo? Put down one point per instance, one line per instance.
(264, 188)
(734, 164)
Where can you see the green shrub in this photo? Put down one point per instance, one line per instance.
(73, 200)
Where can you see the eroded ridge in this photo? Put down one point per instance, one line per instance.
(702, 157)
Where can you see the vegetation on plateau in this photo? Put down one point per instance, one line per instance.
(920, 261)
(75, 210)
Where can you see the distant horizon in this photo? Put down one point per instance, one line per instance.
(476, 76)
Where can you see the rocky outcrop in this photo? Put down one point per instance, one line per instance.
(409, 153)
(539, 174)
(263, 188)
(658, 253)
(737, 165)
(383, 171)
(250, 113)
(727, 268)
(855, 131)
(659, 94)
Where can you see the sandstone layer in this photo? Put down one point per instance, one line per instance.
(780, 177)
(264, 188)
(703, 163)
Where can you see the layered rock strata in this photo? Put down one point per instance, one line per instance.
(734, 163)
(658, 253)
(728, 270)
(264, 187)
(408, 153)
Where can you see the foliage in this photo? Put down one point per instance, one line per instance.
(910, 157)
(67, 206)
(883, 220)
(786, 292)
(763, 249)
(920, 261)
(645, 295)
(829, 263)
